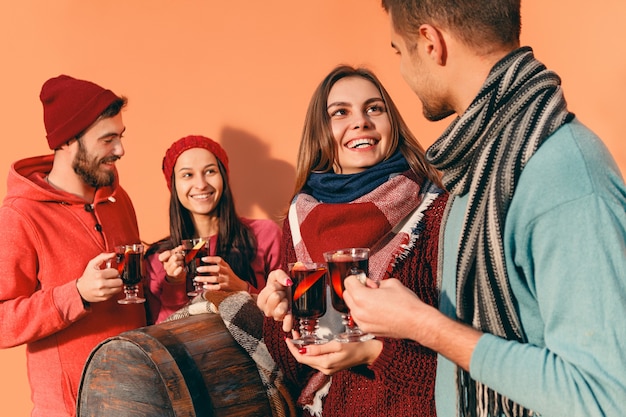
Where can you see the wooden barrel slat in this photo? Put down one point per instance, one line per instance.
(184, 368)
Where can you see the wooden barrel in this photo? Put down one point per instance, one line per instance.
(186, 367)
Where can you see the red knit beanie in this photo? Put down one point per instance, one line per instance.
(189, 142)
(71, 106)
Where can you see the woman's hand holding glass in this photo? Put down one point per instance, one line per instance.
(336, 356)
(217, 275)
(274, 300)
(174, 265)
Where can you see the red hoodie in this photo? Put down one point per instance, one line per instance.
(49, 236)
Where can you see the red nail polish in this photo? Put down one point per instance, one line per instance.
(302, 350)
(289, 282)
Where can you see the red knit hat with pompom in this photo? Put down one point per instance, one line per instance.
(189, 142)
(70, 106)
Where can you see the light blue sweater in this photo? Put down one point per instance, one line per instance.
(565, 248)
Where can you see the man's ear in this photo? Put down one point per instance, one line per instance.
(434, 44)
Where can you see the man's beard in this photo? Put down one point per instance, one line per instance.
(437, 116)
(434, 107)
(89, 170)
(435, 110)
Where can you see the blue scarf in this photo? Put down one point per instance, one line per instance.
(329, 187)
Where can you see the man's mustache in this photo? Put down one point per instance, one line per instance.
(109, 159)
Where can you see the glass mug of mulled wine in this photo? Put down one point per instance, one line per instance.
(194, 250)
(308, 300)
(341, 264)
(128, 260)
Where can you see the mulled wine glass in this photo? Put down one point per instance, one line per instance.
(195, 249)
(308, 300)
(342, 263)
(128, 259)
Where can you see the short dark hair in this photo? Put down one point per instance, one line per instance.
(115, 107)
(480, 24)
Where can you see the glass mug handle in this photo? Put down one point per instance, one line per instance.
(359, 274)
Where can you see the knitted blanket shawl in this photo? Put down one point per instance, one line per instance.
(387, 220)
(483, 153)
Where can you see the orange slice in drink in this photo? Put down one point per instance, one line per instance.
(336, 282)
(192, 253)
(308, 282)
(298, 266)
(121, 260)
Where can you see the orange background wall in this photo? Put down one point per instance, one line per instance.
(242, 72)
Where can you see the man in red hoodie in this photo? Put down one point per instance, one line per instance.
(61, 219)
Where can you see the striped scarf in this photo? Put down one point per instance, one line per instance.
(483, 153)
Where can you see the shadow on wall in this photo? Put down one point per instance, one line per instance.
(259, 182)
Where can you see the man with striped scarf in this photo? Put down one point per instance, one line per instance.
(533, 262)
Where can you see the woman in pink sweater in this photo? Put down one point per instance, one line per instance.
(242, 251)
